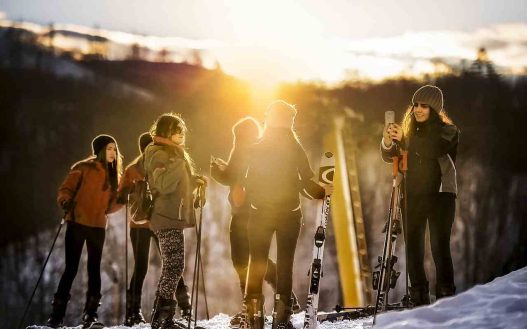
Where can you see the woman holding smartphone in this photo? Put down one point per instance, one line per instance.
(431, 139)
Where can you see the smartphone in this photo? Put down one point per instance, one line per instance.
(389, 118)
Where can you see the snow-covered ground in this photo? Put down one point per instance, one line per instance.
(501, 303)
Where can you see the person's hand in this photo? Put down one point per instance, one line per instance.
(200, 199)
(66, 204)
(201, 180)
(328, 188)
(386, 139)
(392, 132)
(220, 163)
(121, 199)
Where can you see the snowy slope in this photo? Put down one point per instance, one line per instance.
(501, 303)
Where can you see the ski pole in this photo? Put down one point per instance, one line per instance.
(204, 288)
(126, 250)
(197, 259)
(404, 169)
(387, 245)
(42, 272)
(192, 301)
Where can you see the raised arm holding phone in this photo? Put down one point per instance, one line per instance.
(431, 139)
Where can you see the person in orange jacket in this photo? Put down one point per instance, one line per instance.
(140, 235)
(87, 195)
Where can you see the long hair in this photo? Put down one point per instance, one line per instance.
(281, 114)
(169, 124)
(245, 132)
(113, 169)
(409, 119)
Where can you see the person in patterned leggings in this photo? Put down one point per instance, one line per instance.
(171, 177)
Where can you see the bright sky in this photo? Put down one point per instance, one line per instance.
(272, 40)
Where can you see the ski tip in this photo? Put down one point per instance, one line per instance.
(328, 154)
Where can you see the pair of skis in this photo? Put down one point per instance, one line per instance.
(384, 278)
(326, 174)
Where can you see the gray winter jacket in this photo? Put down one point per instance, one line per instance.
(171, 180)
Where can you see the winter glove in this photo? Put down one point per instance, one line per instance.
(66, 205)
(121, 199)
(201, 182)
(122, 196)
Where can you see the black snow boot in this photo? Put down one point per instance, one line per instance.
(236, 320)
(183, 300)
(419, 295)
(163, 314)
(56, 317)
(133, 310)
(445, 290)
(90, 317)
(255, 311)
(282, 312)
(296, 306)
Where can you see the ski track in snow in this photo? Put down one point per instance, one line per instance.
(501, 303)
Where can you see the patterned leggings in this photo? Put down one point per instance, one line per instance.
(172, 247)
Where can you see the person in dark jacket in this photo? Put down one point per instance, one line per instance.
(277, 171)
(87, 195)
(171, 176)
(140, 236)
(431, 140)
(245, 132)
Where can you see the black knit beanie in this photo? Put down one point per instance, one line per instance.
(100, 142)
(143, 141)
(430, 95)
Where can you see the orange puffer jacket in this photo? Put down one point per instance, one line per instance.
(92, 197)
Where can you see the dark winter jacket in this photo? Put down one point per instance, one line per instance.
(278, 171)
(432, 149)
(133, 172)
(234, 177)
(170, 177)
(89, 192)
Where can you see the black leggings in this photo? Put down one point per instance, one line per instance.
(439, 210)
(240, 251)
(140, 238)
(262, 225)
(76, 234)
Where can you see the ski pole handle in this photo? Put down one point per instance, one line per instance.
(395, 167)
(200, 197)
(404, 166)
